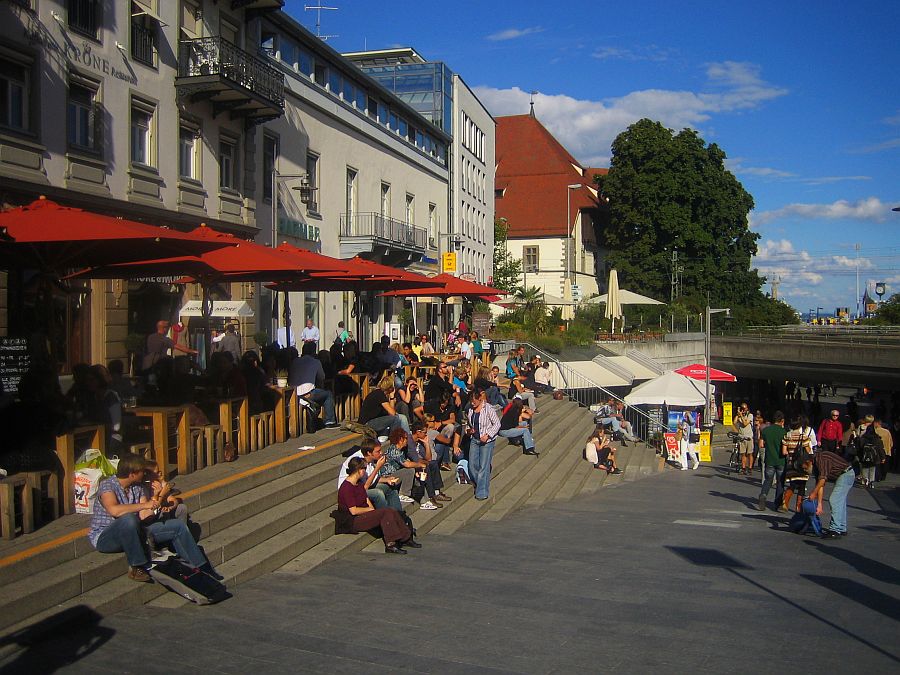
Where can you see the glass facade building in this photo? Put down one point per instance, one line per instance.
(426, 87)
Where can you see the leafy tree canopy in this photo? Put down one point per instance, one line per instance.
(671, 191)
(888, 313)
(507, 269)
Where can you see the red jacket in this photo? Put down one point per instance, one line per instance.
(830, 430)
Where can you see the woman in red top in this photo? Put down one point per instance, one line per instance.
(352, 497)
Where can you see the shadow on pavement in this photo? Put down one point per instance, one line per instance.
(741, 499)
(776, 522)
(76, 632)
(707, 557)
(853, 590)
(871, 568)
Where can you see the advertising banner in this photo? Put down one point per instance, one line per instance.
(705, 446)
(727, 415)
(672, 447)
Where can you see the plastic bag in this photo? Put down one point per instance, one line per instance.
(87, 481)
(94, 459)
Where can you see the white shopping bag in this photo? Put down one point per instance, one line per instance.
(86, 483)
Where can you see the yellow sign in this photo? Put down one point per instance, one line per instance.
(448, 262)
(705, 446)
(727, 419)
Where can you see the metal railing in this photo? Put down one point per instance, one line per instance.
(143, 42)
(586, 392)
(217, 56)
(384, 228)
(888, 336)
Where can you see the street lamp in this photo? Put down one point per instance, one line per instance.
(709, 313)
(569, 228)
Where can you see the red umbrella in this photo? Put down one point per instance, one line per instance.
(448, 286)
(53, 238)
(697, 371)
(360, 275)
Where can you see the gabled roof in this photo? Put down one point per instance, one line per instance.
(533, 172)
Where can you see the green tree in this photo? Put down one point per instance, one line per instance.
(507, 269)
(671, 191)
(889, 312)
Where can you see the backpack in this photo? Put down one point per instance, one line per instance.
(867, 452)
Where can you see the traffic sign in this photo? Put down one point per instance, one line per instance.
(448, 262)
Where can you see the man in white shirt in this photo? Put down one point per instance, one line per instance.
(378, 491)
(310, 334)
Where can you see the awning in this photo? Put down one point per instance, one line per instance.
(140, 7)
(222, 308)
(639, 370)
(597, 375)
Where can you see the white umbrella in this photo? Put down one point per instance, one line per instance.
(568, 310)
(613, 304)
(669, 388)
(625, 298)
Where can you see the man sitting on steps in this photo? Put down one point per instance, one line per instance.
(383, 493)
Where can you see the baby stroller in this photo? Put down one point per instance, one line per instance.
(806, 519)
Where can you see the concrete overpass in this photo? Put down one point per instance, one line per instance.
(872, 360)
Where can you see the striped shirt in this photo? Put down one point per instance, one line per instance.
(829, 465)
(488, 424)
(101, 518)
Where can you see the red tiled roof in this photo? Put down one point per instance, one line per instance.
(533, 170)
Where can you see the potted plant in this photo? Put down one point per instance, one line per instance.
(281, 378)
(261, 338)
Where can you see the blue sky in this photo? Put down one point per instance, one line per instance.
(804, 98)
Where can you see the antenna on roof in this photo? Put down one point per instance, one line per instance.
(531, 103)
(319, 8)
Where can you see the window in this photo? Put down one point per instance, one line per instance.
(143, 35)
(334, 82)
(288, 53)
(350, 195)
(372, 109)
(84, 16)
(361, 99)
(320, 74)
(410, 209)
(432, 223)
(142, 133)
(190, 19)
(530, 259)
(349, 93)
(230, 31)
(188, 151)
(268, 44)
(312, 175)
(270, 163)
(304, 62)
(81, 117)
(228, 163)
(15, 92)
(386, 200)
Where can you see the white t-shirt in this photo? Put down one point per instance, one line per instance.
(342, 476)
(465, 350)
(542, 375)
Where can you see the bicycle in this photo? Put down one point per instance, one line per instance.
(734, 462)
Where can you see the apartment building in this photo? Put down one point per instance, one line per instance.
(224, 112)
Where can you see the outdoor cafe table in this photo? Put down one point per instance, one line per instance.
(226, 416)
(160, 416)
(287, 413)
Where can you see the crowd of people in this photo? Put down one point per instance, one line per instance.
(794, 454)
(418, 432)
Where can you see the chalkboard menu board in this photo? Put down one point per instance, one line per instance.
(14, 362)
(481, 323)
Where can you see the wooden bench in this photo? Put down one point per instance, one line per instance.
(67, 445)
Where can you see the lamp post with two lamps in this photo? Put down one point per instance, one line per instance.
(709, 312)
(570, 227)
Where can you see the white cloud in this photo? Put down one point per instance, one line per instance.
(587, 127)
(779, 259)
(879, 147)
(513, 33)
(893, 120)
(871, 209)
(640, 53)
(824, 180)
(850, 263)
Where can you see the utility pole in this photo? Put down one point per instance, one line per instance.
(674, 283)
(857, 247)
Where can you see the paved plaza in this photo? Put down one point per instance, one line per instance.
(673, 573)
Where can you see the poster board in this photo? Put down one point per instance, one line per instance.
(481, 323)
(15, 359)
(705, 446)
(727, 414)
(672, 447)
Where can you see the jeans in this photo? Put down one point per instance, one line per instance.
(125, 534)
(520, 432)
(528, 397)
(614, 421)
(441, 453)
(389, 495)
(326, 399)
(775, 473)
(480, 455)
(377, 497)
(389, 423)
(838, 501)
(494, 397)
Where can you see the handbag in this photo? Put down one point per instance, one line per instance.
(418, 488)
(694, 437)
(343, 521)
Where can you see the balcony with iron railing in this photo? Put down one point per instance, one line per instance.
(214, 69)
(373, 232)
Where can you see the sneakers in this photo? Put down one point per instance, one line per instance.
(404, 499)
(138, 574)
(441, 497)
(429, 505)
(157, 555)
(761, 504)
(616, 472)
(462, 478)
